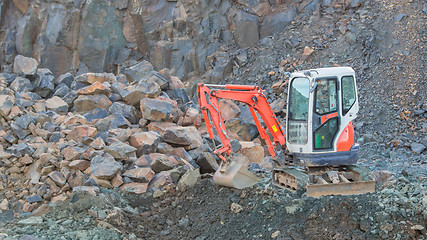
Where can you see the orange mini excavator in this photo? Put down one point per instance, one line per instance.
(315, 152)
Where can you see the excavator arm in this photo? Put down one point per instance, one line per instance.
(254, 98)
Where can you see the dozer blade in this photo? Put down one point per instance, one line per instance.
(343, 188)
(235, 174)
(317, 182)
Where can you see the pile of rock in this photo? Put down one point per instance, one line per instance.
(135, 131)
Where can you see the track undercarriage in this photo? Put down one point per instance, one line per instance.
(323, 181)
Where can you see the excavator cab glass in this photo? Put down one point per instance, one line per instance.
(298, 110)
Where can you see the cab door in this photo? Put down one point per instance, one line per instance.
(326, 120)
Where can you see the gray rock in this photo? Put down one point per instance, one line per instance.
(119, 121)
(85, 103)
(99, 41)
(70, 97)
(6, 103)
(139, 72)
(57, 178)
(7, 77)
(184, 222)
(159, 79)
(161, 163)
(21, 149)
(18, 131)
(119, 150)
(277, 22)
(35, 198)
(57, 105)
(61, 91)
(66, 79)
(134, 93)
(105, 167)
(356, 3)
(189, 179)
(143, 175)
(161, 54)
(156, 109)
(25, 66)
(180, 95)
(129, 112)
(246, 29)
(24, 121)
(43, 83)
(21, 85)
(31, 221)
(242, 57)
(207, 162)
(417, 148)
(189, 137)
(400, 17)
(145, 142)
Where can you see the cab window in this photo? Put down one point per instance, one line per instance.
(348, 93)
(326, 96)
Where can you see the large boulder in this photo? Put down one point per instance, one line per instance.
(94, 89)
(139, 71)
(91, 78)
(253, 151)
(144, 174)
(134, 187)
(189, 137)
(25, 66)
(57, 105)
(43, 83)
(229, 109)
(161, 162)
(134, 93)
(127, 111)
(246, 29)
(156, 109)
(119, 150)
(277, 22)
(85, 103)
(6, 104)
(104, 167)
(145, 142)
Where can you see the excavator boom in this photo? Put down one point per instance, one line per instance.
(254, 98)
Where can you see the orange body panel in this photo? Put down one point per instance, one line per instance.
(325, 118)
(346, 139)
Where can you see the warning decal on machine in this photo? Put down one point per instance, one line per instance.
(274, 128)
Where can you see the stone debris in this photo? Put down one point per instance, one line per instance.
(236, 208)
(61, 144)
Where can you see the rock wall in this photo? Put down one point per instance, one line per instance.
(190, 37)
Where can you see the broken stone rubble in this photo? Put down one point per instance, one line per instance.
(57, 147)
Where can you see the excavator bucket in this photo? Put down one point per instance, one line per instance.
(235, 173)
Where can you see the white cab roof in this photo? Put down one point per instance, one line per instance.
(326, 72)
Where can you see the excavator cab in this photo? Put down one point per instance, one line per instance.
(321, 105)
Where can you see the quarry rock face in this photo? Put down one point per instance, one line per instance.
(104, 36)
